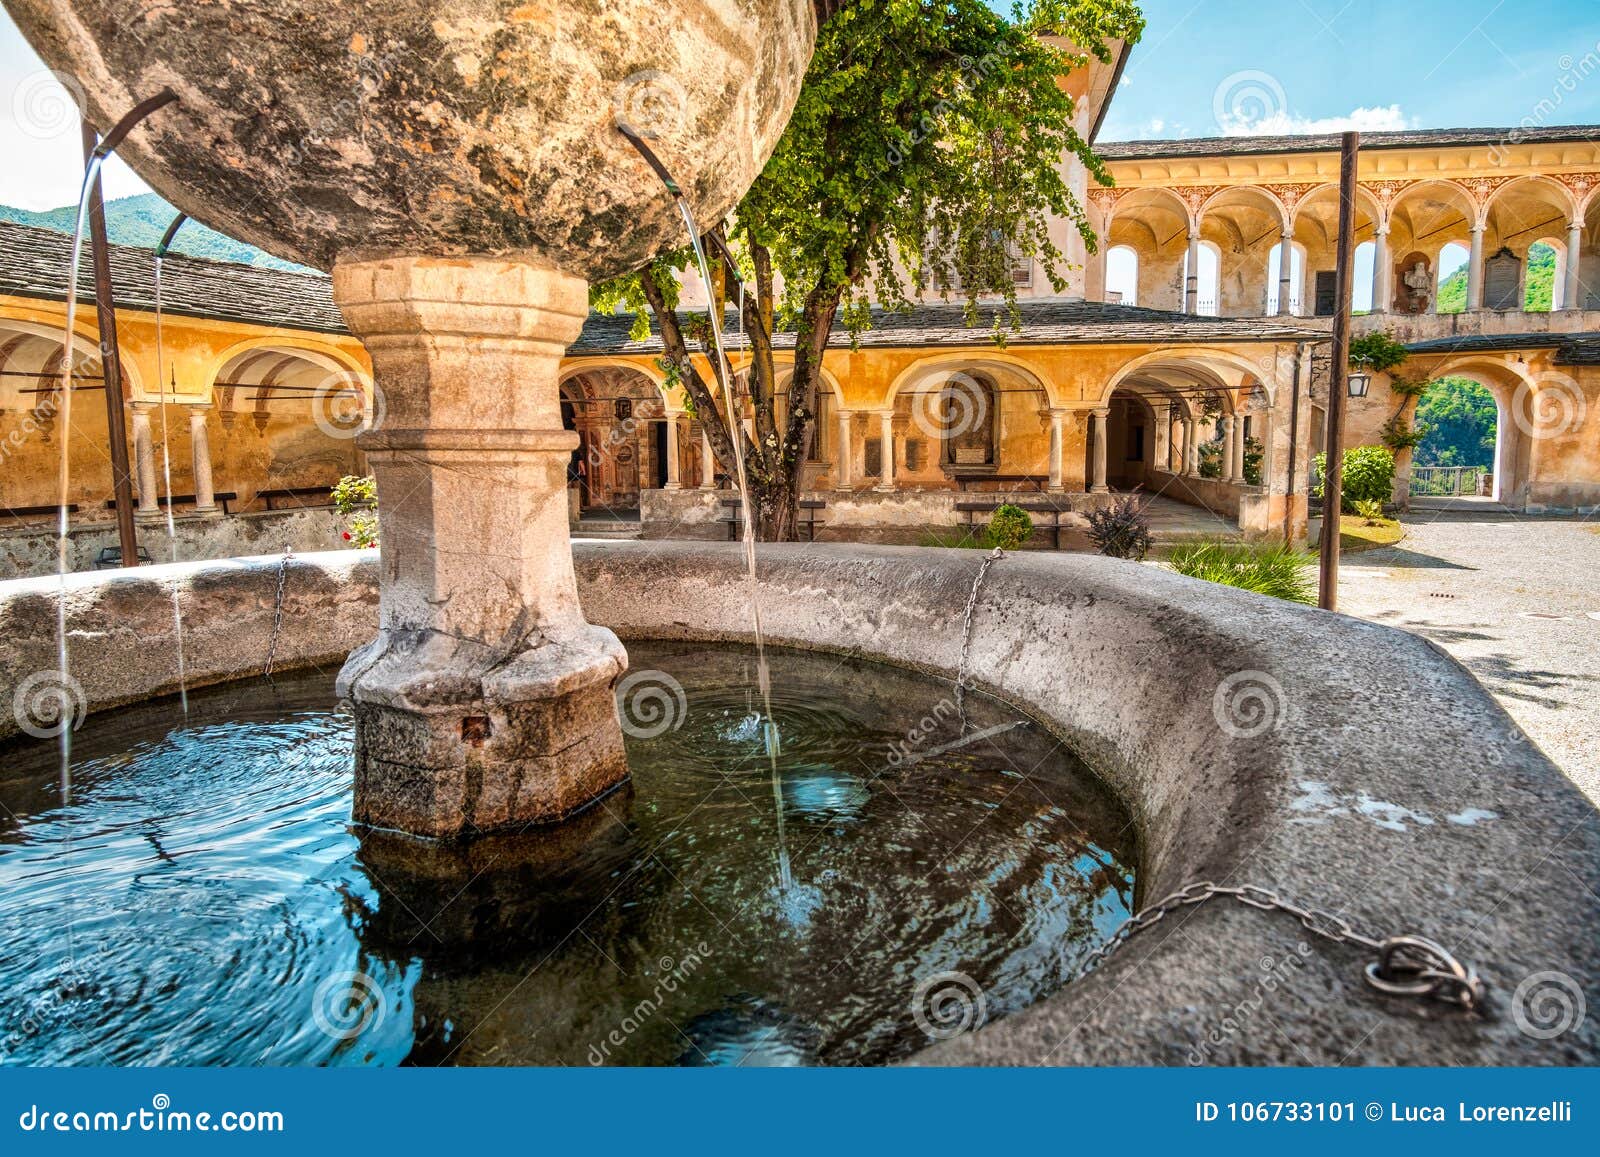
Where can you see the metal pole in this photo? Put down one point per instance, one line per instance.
(111, 365)
(1333, 483)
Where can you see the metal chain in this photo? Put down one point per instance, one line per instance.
(277, 614)
(966, 633)
(1406, 965)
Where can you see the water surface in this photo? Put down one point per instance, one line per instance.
(204, 899)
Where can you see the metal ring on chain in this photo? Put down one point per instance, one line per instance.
(1418, 966)
(1406, 965)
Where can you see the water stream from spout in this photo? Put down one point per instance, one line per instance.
(769, 727)
(91, 173)
(166, 470)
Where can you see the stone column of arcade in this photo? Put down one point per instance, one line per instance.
(486, 699)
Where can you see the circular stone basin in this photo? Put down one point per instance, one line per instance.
(203, 899)
(321, 130)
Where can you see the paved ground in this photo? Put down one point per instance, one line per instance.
(1515, 599)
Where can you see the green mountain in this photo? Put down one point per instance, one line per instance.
(1541, 283)
(1459, 417)
(141, 221)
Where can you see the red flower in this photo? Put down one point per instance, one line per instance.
(347, 536)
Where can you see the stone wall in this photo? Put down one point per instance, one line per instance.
(896, 518)
(30, 549)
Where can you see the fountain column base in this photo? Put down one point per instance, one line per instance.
(486, 702)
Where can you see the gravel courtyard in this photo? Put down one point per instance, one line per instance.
(1515, 599)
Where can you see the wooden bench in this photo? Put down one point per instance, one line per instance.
(322, 493)
(971, 507)
(221, 498)
(810, 508)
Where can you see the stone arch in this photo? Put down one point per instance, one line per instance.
(1210, 366)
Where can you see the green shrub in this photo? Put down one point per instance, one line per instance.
(1121, 530)
(1368, 476)
(357, 499)
(1010, 527)
(1267, 570)
(1211, 459)
(1369, 510)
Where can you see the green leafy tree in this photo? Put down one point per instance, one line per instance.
(928, 137)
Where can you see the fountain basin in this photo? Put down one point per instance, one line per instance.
(1383, 784)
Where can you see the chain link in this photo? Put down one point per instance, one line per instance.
(1406, 965)
(277, 614)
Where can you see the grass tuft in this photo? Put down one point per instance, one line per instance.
(1277, 571)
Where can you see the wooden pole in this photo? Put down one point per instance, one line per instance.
(111, 364)
(1333, 484)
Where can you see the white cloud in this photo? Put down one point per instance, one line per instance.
(1278, 123)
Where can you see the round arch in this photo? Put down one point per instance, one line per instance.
(1204, 362)
(1246, 197)
(919, 373)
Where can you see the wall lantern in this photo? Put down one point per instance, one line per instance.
(1358, 379)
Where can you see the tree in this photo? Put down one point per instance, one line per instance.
(926, 150)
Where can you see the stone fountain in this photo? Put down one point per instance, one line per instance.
(456, 164)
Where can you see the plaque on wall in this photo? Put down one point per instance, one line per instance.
(1502, 281)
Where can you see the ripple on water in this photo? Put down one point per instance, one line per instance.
(203, 899)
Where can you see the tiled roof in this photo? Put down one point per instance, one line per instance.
(1411, 139)
(1043, 323)
(1572, 349)
(33, 263)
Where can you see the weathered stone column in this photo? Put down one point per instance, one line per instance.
(205, 499)
(1100, 417)
(1236, 450)
(144, 463)
(1382, 273)
(1227, 423)
(1474, 273)
(1161, 447)
(1191, 446)
(673, 482)
(1286, 274)
(1191, 287)
(486, 700)
(1572, 284)
(1058, 437)
(886, 452)
(708, 461)
(843, 474)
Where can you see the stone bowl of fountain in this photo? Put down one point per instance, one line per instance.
(328, 132)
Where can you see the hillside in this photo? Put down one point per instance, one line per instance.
(141, 221)
(1541, 283)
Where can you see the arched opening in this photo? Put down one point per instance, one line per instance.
(1155, 224)
(32, 425)
(622, 428)
(1544, 276)
(1460, 447)
(287, 422)
(1208, 278)
(1361, 277)
(1297, 277)
(1450, 284)
(1122, 275)
(971, 425)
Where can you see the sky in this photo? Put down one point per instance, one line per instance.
(1204, 68)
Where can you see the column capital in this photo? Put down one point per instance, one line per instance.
(142, 409)
(1101, 411)
(1478, 227)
